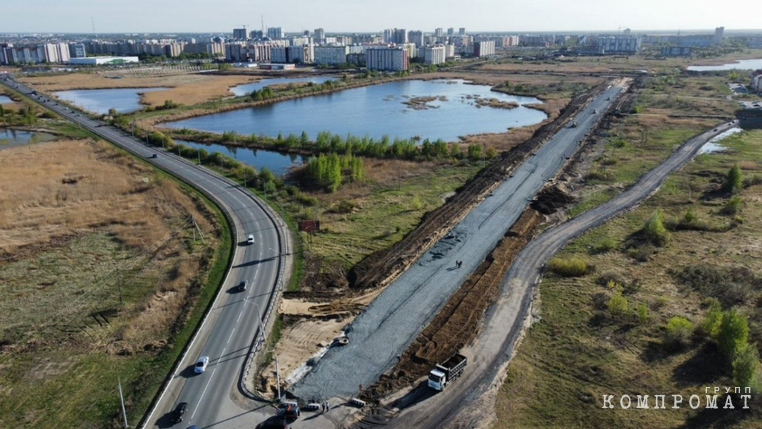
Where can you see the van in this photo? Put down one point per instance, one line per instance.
(250, 240)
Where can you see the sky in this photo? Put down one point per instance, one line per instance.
(168, 16)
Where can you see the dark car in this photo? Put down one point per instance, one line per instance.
(274, 423)
(288, 410)
(177, 414)
(154, 156)
(243, 286)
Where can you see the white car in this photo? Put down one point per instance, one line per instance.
(250, 240)
(201, 364)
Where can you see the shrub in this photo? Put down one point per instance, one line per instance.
(732, 206)
(605, 244)
(490, 153)
(617, 304)
(712, 319)
(733, 181)
(571, 267)
(678, 331)
(344, 207)
(642, 311)
(654, 230)
(417, 205)
(733, 333)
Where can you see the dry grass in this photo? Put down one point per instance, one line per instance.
(185, 89)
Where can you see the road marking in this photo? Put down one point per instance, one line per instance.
(240, 314)
(231, 332)
(202, 394)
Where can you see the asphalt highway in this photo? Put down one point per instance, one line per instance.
(506, 319)
(404, 308)
(232, 324)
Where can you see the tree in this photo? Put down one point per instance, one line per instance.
(455, 150)
(304, 139)
(474, 152)
(654, 230)
(745, 366)
(733, 181)
(491, 153)
(678, 331)
(733, 333)
(712, 319)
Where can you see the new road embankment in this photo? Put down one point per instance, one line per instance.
(507, 318)
(231, 325)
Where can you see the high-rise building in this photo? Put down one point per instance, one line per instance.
(275, 33)
(331, 54)
(400, 36)
(719, 32)
(462, 31)
(417, 38)
(439, 32)
(239, 33)
(450, 31)
(388, 35)
(434, 54)
(484, 49)
(393, 59)
(77, 50)
(257, 34)
(319, 35)
(618, 44)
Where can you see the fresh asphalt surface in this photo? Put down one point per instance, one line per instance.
(232, 323)
(505, 320)
(388, 325)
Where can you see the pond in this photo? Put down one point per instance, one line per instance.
(101, 100)
(435, 109)
(276, 162)
(738, 65)
(246, 88)
(714, 144)
(5, 99)
(10, 137)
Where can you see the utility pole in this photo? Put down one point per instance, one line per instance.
(198, 152)
(277, 373)
(199, 231)
(121, 399)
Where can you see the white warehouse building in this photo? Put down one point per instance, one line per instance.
(97, 61)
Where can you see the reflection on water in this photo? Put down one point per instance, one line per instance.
(101, 100)
(248, 87)
(15, 137)
(739, 65)
(276, 162)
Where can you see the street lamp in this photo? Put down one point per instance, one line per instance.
(277, 372)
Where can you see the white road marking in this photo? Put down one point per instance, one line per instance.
(231, 332)
(202, 393)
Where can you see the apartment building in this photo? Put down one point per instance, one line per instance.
(331, 54)
(386, 58)
(434, 54)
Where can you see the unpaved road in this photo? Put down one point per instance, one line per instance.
(405, 307)
(505, 320)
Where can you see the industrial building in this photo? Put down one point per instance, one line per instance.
(98, 61)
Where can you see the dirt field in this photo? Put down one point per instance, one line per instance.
(186, 89)
(97, 265)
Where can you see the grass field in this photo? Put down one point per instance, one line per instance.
(580, 350)
(100, 279)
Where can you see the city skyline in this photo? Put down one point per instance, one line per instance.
(175, 16)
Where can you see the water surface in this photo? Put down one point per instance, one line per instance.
(101, 100)
(248, 87)
(10, 138)
(278, 163)
(714, 145)
(4, 99)
(379, 110)
(738, 65)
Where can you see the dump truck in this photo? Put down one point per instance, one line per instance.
(446, 372)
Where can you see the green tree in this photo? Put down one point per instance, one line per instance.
(733, 333)
(491, 153)
(678, 331)
(474, 151)
(745, 366)
(455, 150)
(690, 217)
(2, 110)
(733, 181)
(304, 139)
(654, 230)
(712, 319)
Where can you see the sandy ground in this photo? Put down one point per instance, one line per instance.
(185, 89)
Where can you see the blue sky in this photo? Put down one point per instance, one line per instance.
(365, 16)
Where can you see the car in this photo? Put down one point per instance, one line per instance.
(274, 423)
(154, 156)
(179, 412)
(244, 284)
(201, 364)
(288, 410)
(250, 239)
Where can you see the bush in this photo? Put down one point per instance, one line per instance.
(617, 304)
(654, 230)
(572, 267)
(731, 286)
(712, 319)
(417, 205)
(678, 331)
(605, 244)
(733, 333)
(642, 311)
(732, 206)
(344, 207)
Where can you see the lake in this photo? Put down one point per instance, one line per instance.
(15, 137)
(379, 110)
(278, 163)
(739, 65)
(246, 88)
(101, 100)
(4, 99)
